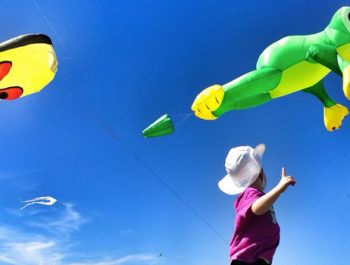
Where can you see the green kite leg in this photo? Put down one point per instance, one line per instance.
(333, 113)
(319, 91)
(249, 90)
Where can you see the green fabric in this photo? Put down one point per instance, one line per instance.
(160, 127)
(249, 90)
(319, 91)
(292, 64)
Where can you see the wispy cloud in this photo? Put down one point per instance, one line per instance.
(139, 258)
(51, 252)
(31, 253)
(51, 246)
(67, 222)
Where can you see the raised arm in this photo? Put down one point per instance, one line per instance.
(264, 203)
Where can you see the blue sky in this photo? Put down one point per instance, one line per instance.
(123, 199)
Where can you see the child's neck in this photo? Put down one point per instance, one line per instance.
(257, 185)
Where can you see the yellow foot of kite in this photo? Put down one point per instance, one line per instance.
(208, 101)
(334, 116)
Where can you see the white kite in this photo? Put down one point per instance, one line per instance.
(46, 200)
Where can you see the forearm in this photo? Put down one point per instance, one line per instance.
(264, 203)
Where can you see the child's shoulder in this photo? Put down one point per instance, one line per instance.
(251, 191)
(248, 194)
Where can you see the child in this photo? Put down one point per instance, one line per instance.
(257, 233)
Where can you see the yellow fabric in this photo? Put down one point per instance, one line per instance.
(33, 67)
(298, 77)
(334, 116)
(344, 51)
(208, 101)
(346, 82)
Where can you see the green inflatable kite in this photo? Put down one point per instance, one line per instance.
(289, 65)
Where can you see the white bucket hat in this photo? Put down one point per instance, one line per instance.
(243, 165)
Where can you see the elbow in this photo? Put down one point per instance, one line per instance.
(256, 210)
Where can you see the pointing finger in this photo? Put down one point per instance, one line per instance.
(283, 171)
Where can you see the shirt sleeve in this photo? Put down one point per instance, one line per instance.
(243, 206)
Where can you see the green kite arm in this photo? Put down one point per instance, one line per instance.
(325, 55)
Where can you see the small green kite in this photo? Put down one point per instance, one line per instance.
(160, 127)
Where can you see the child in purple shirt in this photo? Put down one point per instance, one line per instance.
(257, 232)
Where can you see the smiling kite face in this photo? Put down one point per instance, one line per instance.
(27, 64)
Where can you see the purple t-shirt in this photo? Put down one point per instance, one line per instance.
(255, 236)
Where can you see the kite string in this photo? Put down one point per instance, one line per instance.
(161, 180)
(180, 123)
(94, 115)
(53, 30)
(103, 124)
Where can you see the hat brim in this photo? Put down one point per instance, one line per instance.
(228, 186)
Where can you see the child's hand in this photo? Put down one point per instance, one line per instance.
(285, 181)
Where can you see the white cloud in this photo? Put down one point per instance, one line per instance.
(31, 253)
(19, 247)
(65, 224)
(50, 252)
(139, 258)
(69, 222)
